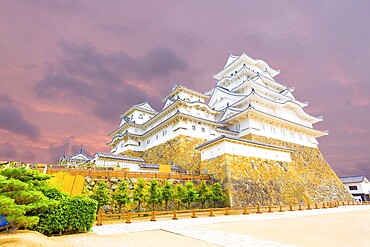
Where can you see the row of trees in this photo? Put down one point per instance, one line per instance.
(153, 194)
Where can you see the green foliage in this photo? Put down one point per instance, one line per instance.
(27, 201)
(121, 195)
(140, 192)
(16, 214)
(155, 195)
(20, 191)
(100, 194)
(204, 193)
(191, 194)
(216, 194)
(179, 195)
(72, 214)
(167, 193)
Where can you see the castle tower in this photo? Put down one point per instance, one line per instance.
(249, 132)
(270, 151)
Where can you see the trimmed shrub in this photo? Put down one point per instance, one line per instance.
(71, 215)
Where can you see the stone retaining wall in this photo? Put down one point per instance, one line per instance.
(179, 151)
(308, 178)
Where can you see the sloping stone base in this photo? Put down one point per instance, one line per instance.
(308, 178)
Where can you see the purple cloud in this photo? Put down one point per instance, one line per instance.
(101, 81)
(12, 119)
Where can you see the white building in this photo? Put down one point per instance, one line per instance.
(74, 160)
(109, 160)
(358, 186)
(248, 130)
(245, 100)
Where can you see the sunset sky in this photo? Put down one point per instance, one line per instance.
(68, 69)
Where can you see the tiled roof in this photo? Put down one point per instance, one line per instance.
(352, 179)
(119, 157)
(242, 140)
(156, 166)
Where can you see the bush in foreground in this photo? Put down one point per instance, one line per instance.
(28, 202)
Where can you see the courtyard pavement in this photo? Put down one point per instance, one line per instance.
(267, 229)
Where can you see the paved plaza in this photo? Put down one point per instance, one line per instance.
(342, 226)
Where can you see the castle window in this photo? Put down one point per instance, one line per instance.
(156, 137)
(141, 116)
(282, 132)
(353, 187)
(164, 132)
(292, 134)
(203, 129)
(193, 127)
(139, 144)
(148, 141)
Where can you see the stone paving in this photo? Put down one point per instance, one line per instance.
(188, 227)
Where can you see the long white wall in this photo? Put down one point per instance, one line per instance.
(245, 150)
(186, 127)
(117, 163)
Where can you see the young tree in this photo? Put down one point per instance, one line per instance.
(191, 194)
(154, 193)
(140, 192)
(204, 193)
(167, 193)
(179, 195)
(100, 194)
(217, 195)
(121, 195)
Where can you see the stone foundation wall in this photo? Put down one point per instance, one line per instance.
(179, 151)
(308, 178)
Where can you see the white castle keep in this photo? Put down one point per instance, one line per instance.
(245, 100)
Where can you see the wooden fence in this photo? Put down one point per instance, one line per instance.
(129, 217)
(128, 174)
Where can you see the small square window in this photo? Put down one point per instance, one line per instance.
(203, 129)
(354, 187)
(193, 127)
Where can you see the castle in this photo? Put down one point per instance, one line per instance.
(249, 132)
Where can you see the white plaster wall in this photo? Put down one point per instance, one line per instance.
(116, 163)
(140, 117)
(361, 188)
(165, 134)
(243, 150)
(280, 133)
(188, 97)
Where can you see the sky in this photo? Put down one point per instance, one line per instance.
(68, 69)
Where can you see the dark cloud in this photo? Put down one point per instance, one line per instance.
(8, 151)
(12, 119)
(360, 168)
(100, 81)
(68, 146)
